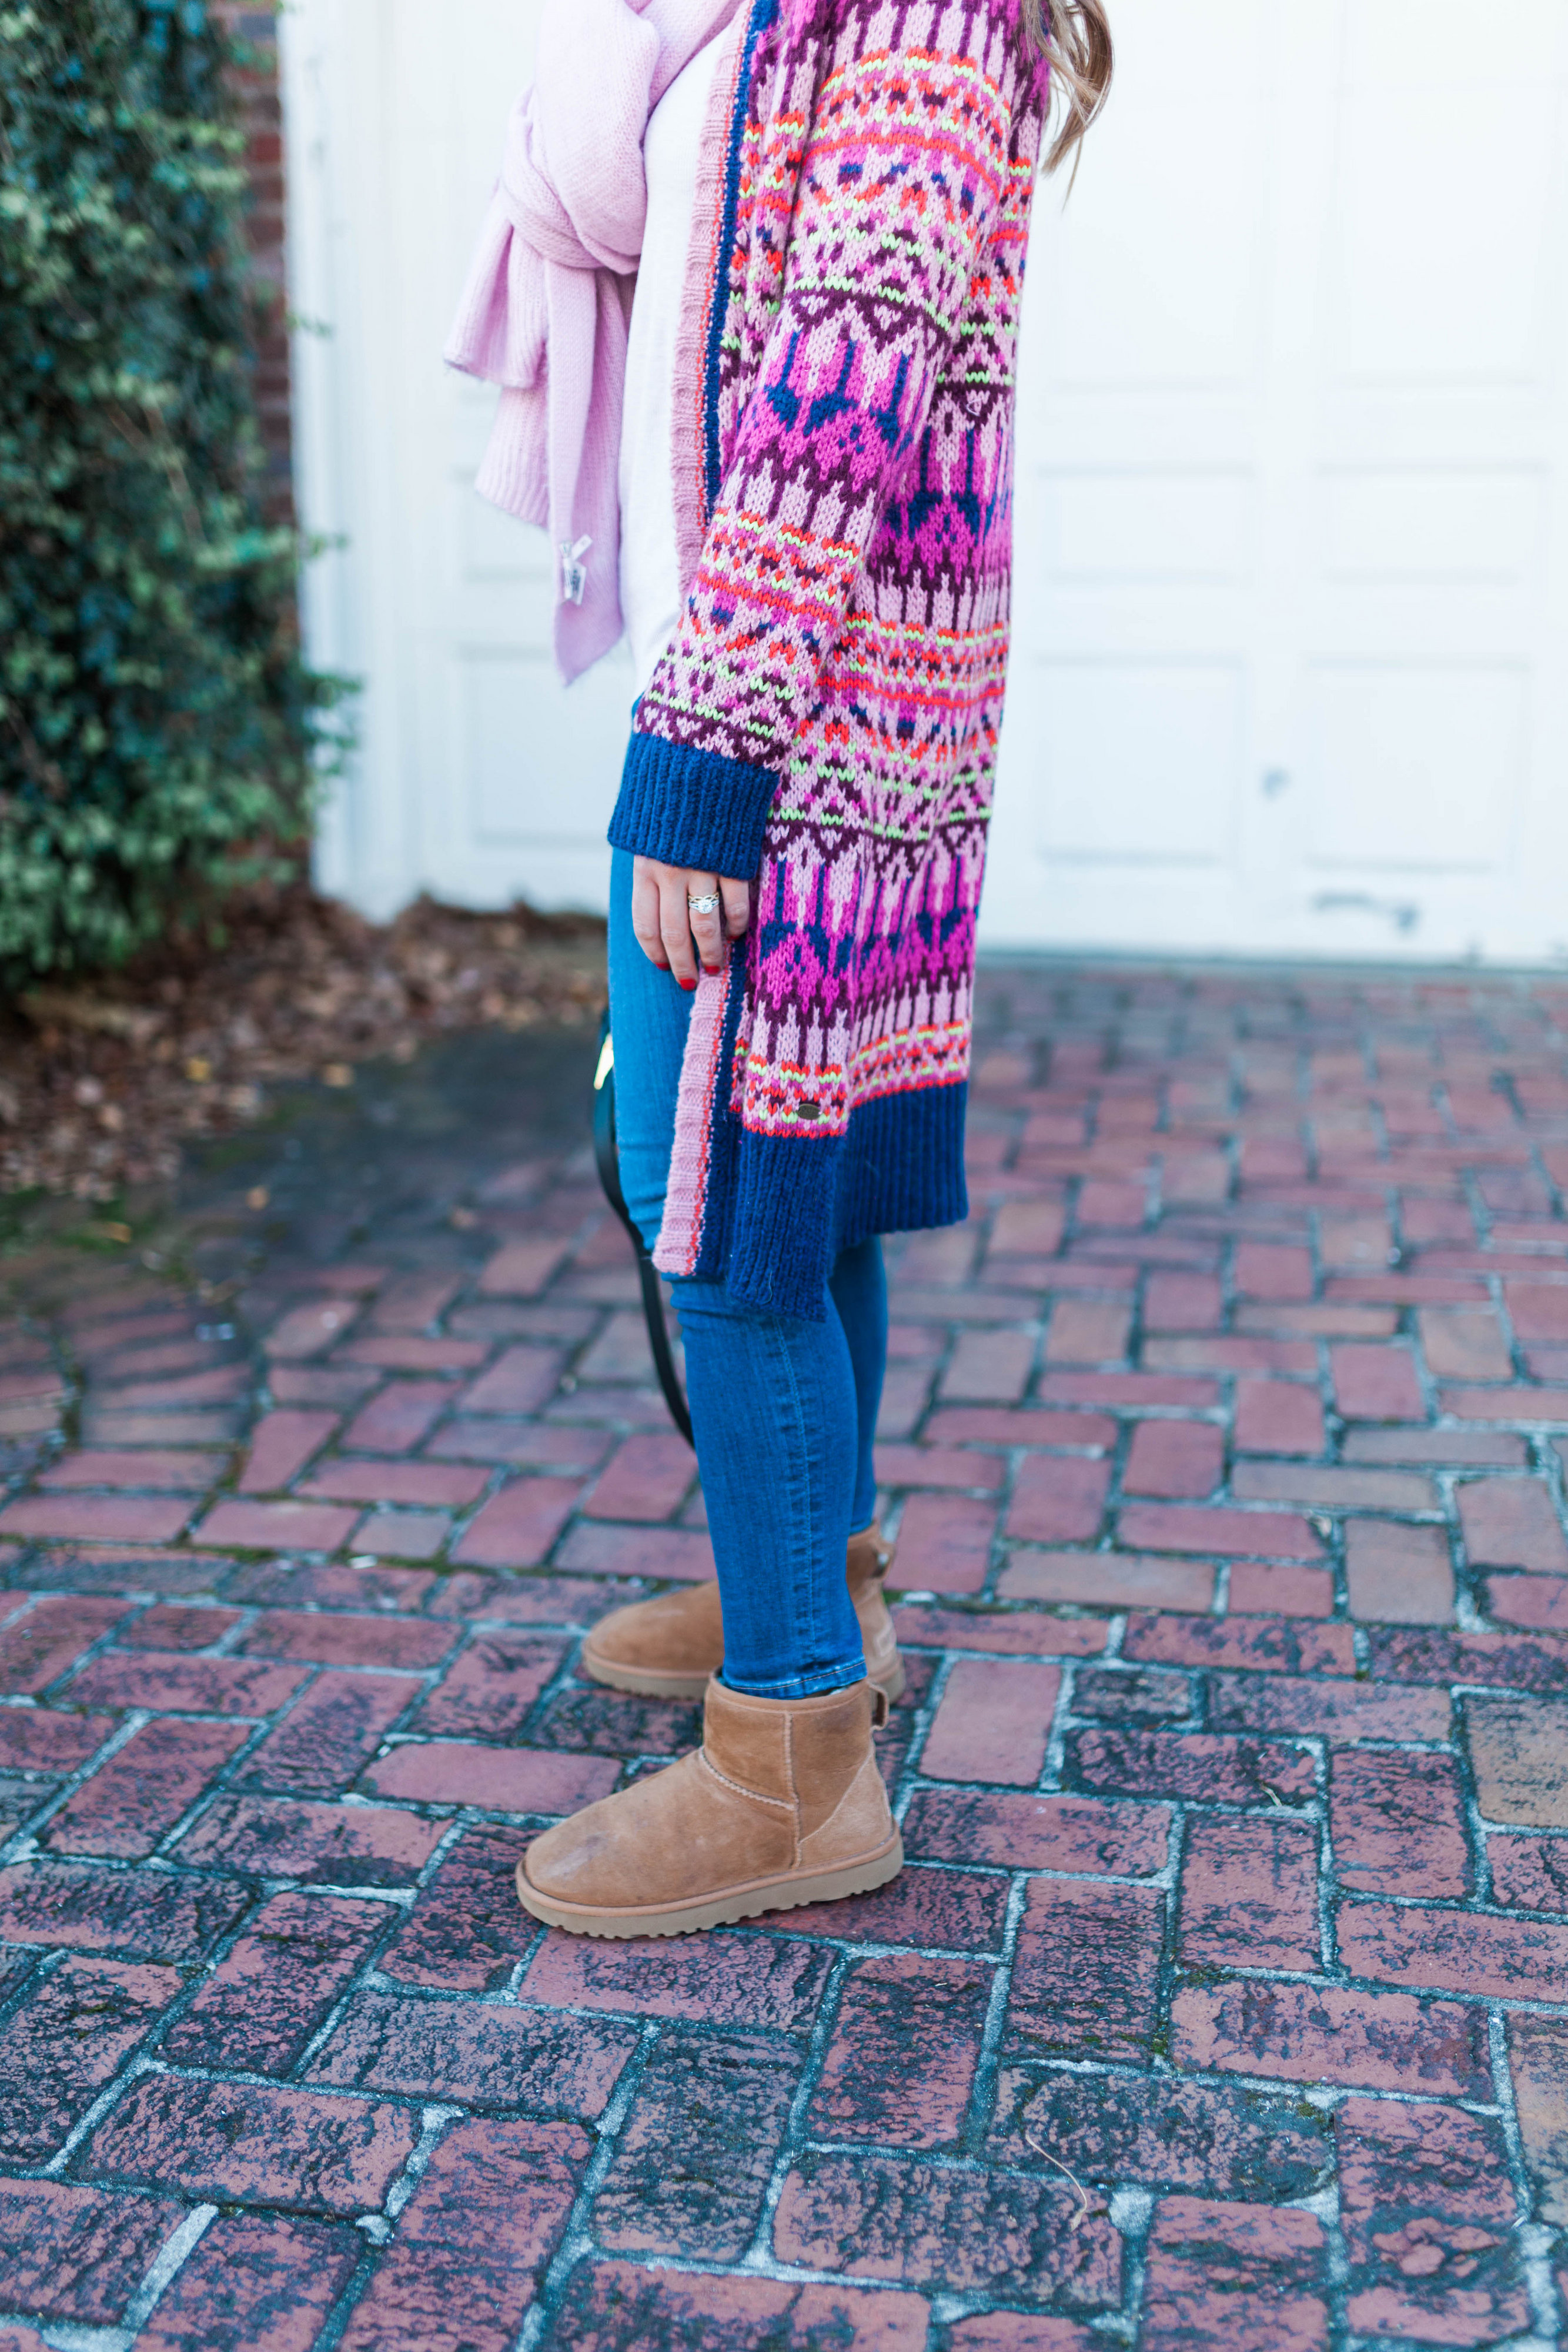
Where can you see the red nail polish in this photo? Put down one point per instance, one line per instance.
(689, 985)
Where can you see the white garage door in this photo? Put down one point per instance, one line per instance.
(1293, 590)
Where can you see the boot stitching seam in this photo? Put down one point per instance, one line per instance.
(845, 1800)
(741, 1789)
(789, 1782)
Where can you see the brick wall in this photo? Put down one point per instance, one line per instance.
(264, 125)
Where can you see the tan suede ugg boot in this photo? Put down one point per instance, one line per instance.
(667, 1648)
(781, 1804)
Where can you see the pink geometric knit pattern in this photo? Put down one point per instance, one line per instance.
(847, 625)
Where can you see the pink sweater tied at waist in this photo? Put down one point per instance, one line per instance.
(548, 299)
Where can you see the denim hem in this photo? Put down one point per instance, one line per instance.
(817, 1686)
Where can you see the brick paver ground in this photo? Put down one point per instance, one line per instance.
(1225, 1998)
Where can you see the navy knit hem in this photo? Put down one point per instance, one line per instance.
(780, 1224)
(690, 807)
(903, 1165)
(783, 1206)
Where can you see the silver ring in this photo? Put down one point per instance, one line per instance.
(706, 905)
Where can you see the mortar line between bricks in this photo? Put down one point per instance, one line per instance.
(758, 2257)
(1476, 1826)
(145, 2061)
(171, 2259)
(1131, 2208)
(406, 2102)
(1326, 2204)
(1326, 2207)
(435, 2116)
(221, 1785)
(1341, 1979)
(1111, 1800)
(1115, 1637)
(45, 1964)
(923, 1717)
(1061, 1715)
(139, 2061)
(937, 1375)
(550, 1627)
(227, 1643)
(60, 1688)
(1167, 1965)
(1553, 1467)
(145, 2058)
(517, 1977)
(500, 1475)
(946, 2160)
(19, 1846)
(336, 2322)
(1535, 2242)
(428, 1679)
(981, 2105)
(576, 2240)
(1207, 1810)
(858, 1948)
(178, 2008)
(1044, 1657)
(70, 2336)
(1294, 2088)
(781, 2273)
(1326, 1874)
(438, 1853)
(563, 1678)
(997, 1552)
(364, 1979)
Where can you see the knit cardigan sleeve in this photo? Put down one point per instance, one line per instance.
(903, 170)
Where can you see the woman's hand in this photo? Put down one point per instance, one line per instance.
(674, 934)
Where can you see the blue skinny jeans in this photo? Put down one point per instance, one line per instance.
(784, 1412)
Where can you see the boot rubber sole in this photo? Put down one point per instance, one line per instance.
(651, 1681)
(647, 1682)
(745, 1902)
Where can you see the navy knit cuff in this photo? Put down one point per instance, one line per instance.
(689, 807)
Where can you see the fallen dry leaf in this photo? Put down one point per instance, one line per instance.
(101, 1085)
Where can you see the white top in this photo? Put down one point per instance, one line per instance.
(650, 567)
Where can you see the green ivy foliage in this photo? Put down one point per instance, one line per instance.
(158, 725)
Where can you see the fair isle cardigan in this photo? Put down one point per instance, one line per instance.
(825, 718)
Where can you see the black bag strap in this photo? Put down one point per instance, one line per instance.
(607, 1158)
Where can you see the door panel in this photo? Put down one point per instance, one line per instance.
(1419, 767)
(1140, 762)
(1430, 525)
(1178, 304)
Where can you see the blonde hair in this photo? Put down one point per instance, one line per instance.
(1074, 37)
